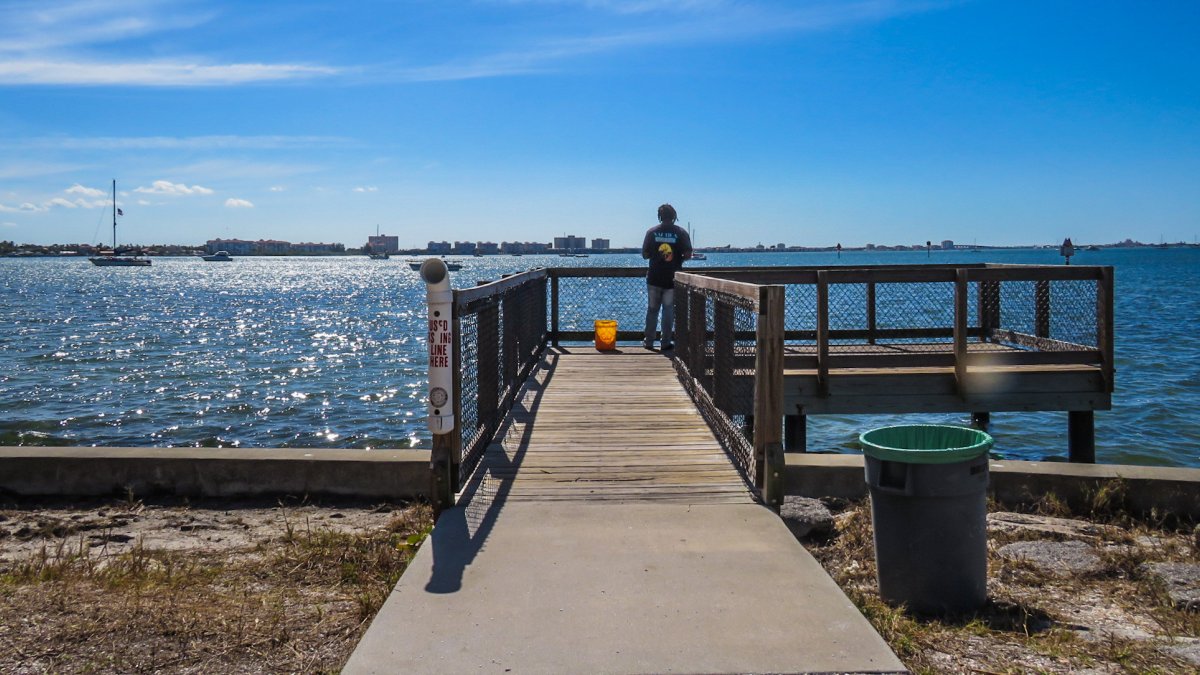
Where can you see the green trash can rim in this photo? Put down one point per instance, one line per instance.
(910, 443)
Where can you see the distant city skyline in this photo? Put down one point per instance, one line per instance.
(801, 121)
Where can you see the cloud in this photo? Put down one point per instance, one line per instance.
(151, 74)
(638, 24)
(143, 202)
(174, 142)
(238, 203)
(163, 187)
(8, 224)
(60, 202)
(277, 188)
(366, 188)
(78, 189)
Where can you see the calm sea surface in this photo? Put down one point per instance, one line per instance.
(329, 352)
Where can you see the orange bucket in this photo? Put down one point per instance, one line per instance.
(606, 335)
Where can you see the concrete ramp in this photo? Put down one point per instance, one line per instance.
(527, 587)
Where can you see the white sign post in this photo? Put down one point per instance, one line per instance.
(441, 346)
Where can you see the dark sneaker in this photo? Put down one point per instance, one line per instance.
(668, 346)
(647, 345)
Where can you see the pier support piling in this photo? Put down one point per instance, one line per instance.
(795, 433)
(1081, 436)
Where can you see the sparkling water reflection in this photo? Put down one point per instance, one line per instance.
(329, 352)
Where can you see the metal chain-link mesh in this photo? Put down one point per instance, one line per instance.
(718, 371)
(583, 300)
(502, 337)
(1063, 312)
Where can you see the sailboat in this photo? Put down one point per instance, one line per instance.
(112, 259)
(696, 255)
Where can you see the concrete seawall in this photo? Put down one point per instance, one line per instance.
(404, 474)
(214, 472)
(1141, 489)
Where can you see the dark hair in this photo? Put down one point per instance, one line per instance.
(666, 214)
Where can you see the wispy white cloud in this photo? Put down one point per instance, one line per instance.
(65, 42)
(642, 25)
(78, 189)
(366, 188)
(7, 224)
(164, 187)
(238, 203)
(228, 142)
(60, 202)
(151, 74)
(278, 188)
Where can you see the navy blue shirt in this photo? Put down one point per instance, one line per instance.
(666, 246)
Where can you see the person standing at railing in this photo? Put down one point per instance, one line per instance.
(666, 246)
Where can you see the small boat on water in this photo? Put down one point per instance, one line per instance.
(219, 256)
(378, 255)
(114, 258)
(416, 265)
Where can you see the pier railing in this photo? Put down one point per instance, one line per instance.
(726, 330)
(741, 331)
(955, 316)
(500, 329)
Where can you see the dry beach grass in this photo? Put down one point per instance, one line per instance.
(1112, 618)
(231, 587)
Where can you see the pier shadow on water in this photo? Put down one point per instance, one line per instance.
(461, 532)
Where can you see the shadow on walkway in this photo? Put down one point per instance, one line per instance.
(460, 532)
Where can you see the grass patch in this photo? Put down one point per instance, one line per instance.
(295, 599)
(1114, 621)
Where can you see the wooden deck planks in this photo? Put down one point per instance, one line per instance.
(614, 427)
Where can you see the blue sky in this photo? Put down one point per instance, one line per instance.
(1002, 122)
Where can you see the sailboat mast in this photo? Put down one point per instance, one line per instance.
(114, 215)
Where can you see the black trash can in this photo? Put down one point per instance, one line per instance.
(928, 488)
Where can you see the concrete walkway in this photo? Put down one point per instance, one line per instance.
(528, 581)
(618, 588)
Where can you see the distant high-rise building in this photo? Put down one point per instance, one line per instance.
(570, 243)
(464, 247)
(383, 243)
(487, 248)
(438, 247)
(600, 245)
(948, 245)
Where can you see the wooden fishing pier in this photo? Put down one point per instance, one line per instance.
(758, 350)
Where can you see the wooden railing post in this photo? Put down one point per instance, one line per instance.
(768, 395)
(960, 329)
(488, 370)
(1104, 324)
(682, 300)
(823, 332)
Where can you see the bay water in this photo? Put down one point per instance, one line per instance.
(330, 352)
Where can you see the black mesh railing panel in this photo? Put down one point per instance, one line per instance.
(502, 336)
(1064, 311)
(800, 312)
(583, 300)
(720, 374)
(1073, 312)
(471, 342)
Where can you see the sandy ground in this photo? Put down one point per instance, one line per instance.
(203, 586)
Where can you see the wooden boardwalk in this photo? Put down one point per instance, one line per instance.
(612, 426)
